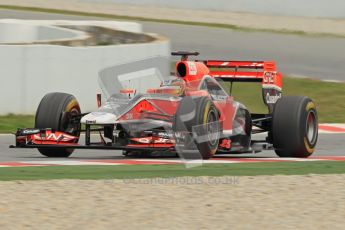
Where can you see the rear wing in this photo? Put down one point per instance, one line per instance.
(264, 72)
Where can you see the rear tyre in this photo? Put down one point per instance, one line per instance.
(294, 127)
(55, 111)
(201, 114)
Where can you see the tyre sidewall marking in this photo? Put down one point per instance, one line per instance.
(310, 105)
(207, 108)
(307, 146)
(71, 105)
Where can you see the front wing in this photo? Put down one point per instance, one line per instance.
(48, 138)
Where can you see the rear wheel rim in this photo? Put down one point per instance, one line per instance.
(311, 127)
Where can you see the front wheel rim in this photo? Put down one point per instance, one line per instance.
(69, 127)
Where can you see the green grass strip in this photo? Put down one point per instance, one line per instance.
(10, 123)
(152, 171)
(133, 18)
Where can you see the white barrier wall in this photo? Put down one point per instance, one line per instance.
(28, 72)
(24, 33)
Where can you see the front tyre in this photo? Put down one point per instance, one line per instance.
(294, 127)
(56, 111)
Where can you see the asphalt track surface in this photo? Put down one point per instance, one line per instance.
(319, 57)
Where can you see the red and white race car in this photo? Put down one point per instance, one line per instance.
(189, 114)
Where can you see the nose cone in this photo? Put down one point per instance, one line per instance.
(100, 118)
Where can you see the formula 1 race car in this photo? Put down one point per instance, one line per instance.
(189, 113)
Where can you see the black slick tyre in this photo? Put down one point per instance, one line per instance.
(55, 111)
(294, 127)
